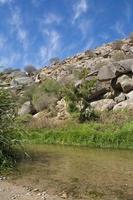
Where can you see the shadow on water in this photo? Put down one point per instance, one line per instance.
(82, 173)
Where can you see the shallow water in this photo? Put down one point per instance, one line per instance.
(81, 173)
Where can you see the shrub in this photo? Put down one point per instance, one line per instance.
(50, 86)
(117, 45)
(8, 131)
(87, 113)
(43, 101)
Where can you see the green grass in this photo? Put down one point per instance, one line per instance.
(93, 134)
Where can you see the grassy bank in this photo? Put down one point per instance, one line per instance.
(93, 134)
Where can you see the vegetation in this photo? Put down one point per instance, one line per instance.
(117, 45)
(9, 134)
(106, 132)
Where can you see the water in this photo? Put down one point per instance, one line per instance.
(81, 173)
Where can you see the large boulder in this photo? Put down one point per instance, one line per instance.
(125, 82)
(24, 81)
(107, 72)
(115, 69)
(100, 89)
(26, 108)
(103, 105)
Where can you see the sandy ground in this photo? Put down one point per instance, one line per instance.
(9, 191)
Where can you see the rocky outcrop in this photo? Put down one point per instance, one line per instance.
(23, 81)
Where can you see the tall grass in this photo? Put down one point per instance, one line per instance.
(93, 135)
(9, 134)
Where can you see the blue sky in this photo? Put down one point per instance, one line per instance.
(34, 31)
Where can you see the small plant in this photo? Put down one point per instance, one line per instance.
(84, 72)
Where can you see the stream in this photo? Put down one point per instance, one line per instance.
(79, 172)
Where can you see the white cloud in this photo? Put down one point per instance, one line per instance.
(79, 8)
(52, 18)
(119, 28)
(52, 48)
(18, 27)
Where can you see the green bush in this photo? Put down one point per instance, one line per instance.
(8, 130)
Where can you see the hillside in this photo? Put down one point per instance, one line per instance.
(109, 67)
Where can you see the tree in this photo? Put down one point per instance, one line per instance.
(30, 69)
(8, 131)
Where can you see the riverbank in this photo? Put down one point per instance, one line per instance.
(91, 134)
(13, 191)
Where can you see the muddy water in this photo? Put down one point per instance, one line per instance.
(80, 173)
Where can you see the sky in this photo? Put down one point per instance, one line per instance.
(34, 31)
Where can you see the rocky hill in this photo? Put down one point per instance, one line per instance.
(110, 66)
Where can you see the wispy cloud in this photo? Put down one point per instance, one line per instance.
(10, 60)
(17, 25)
(5, 1)
(84, 26)
(104, 36)
(52, 18)
(79, 8)
(119, 28)
(52, 48)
